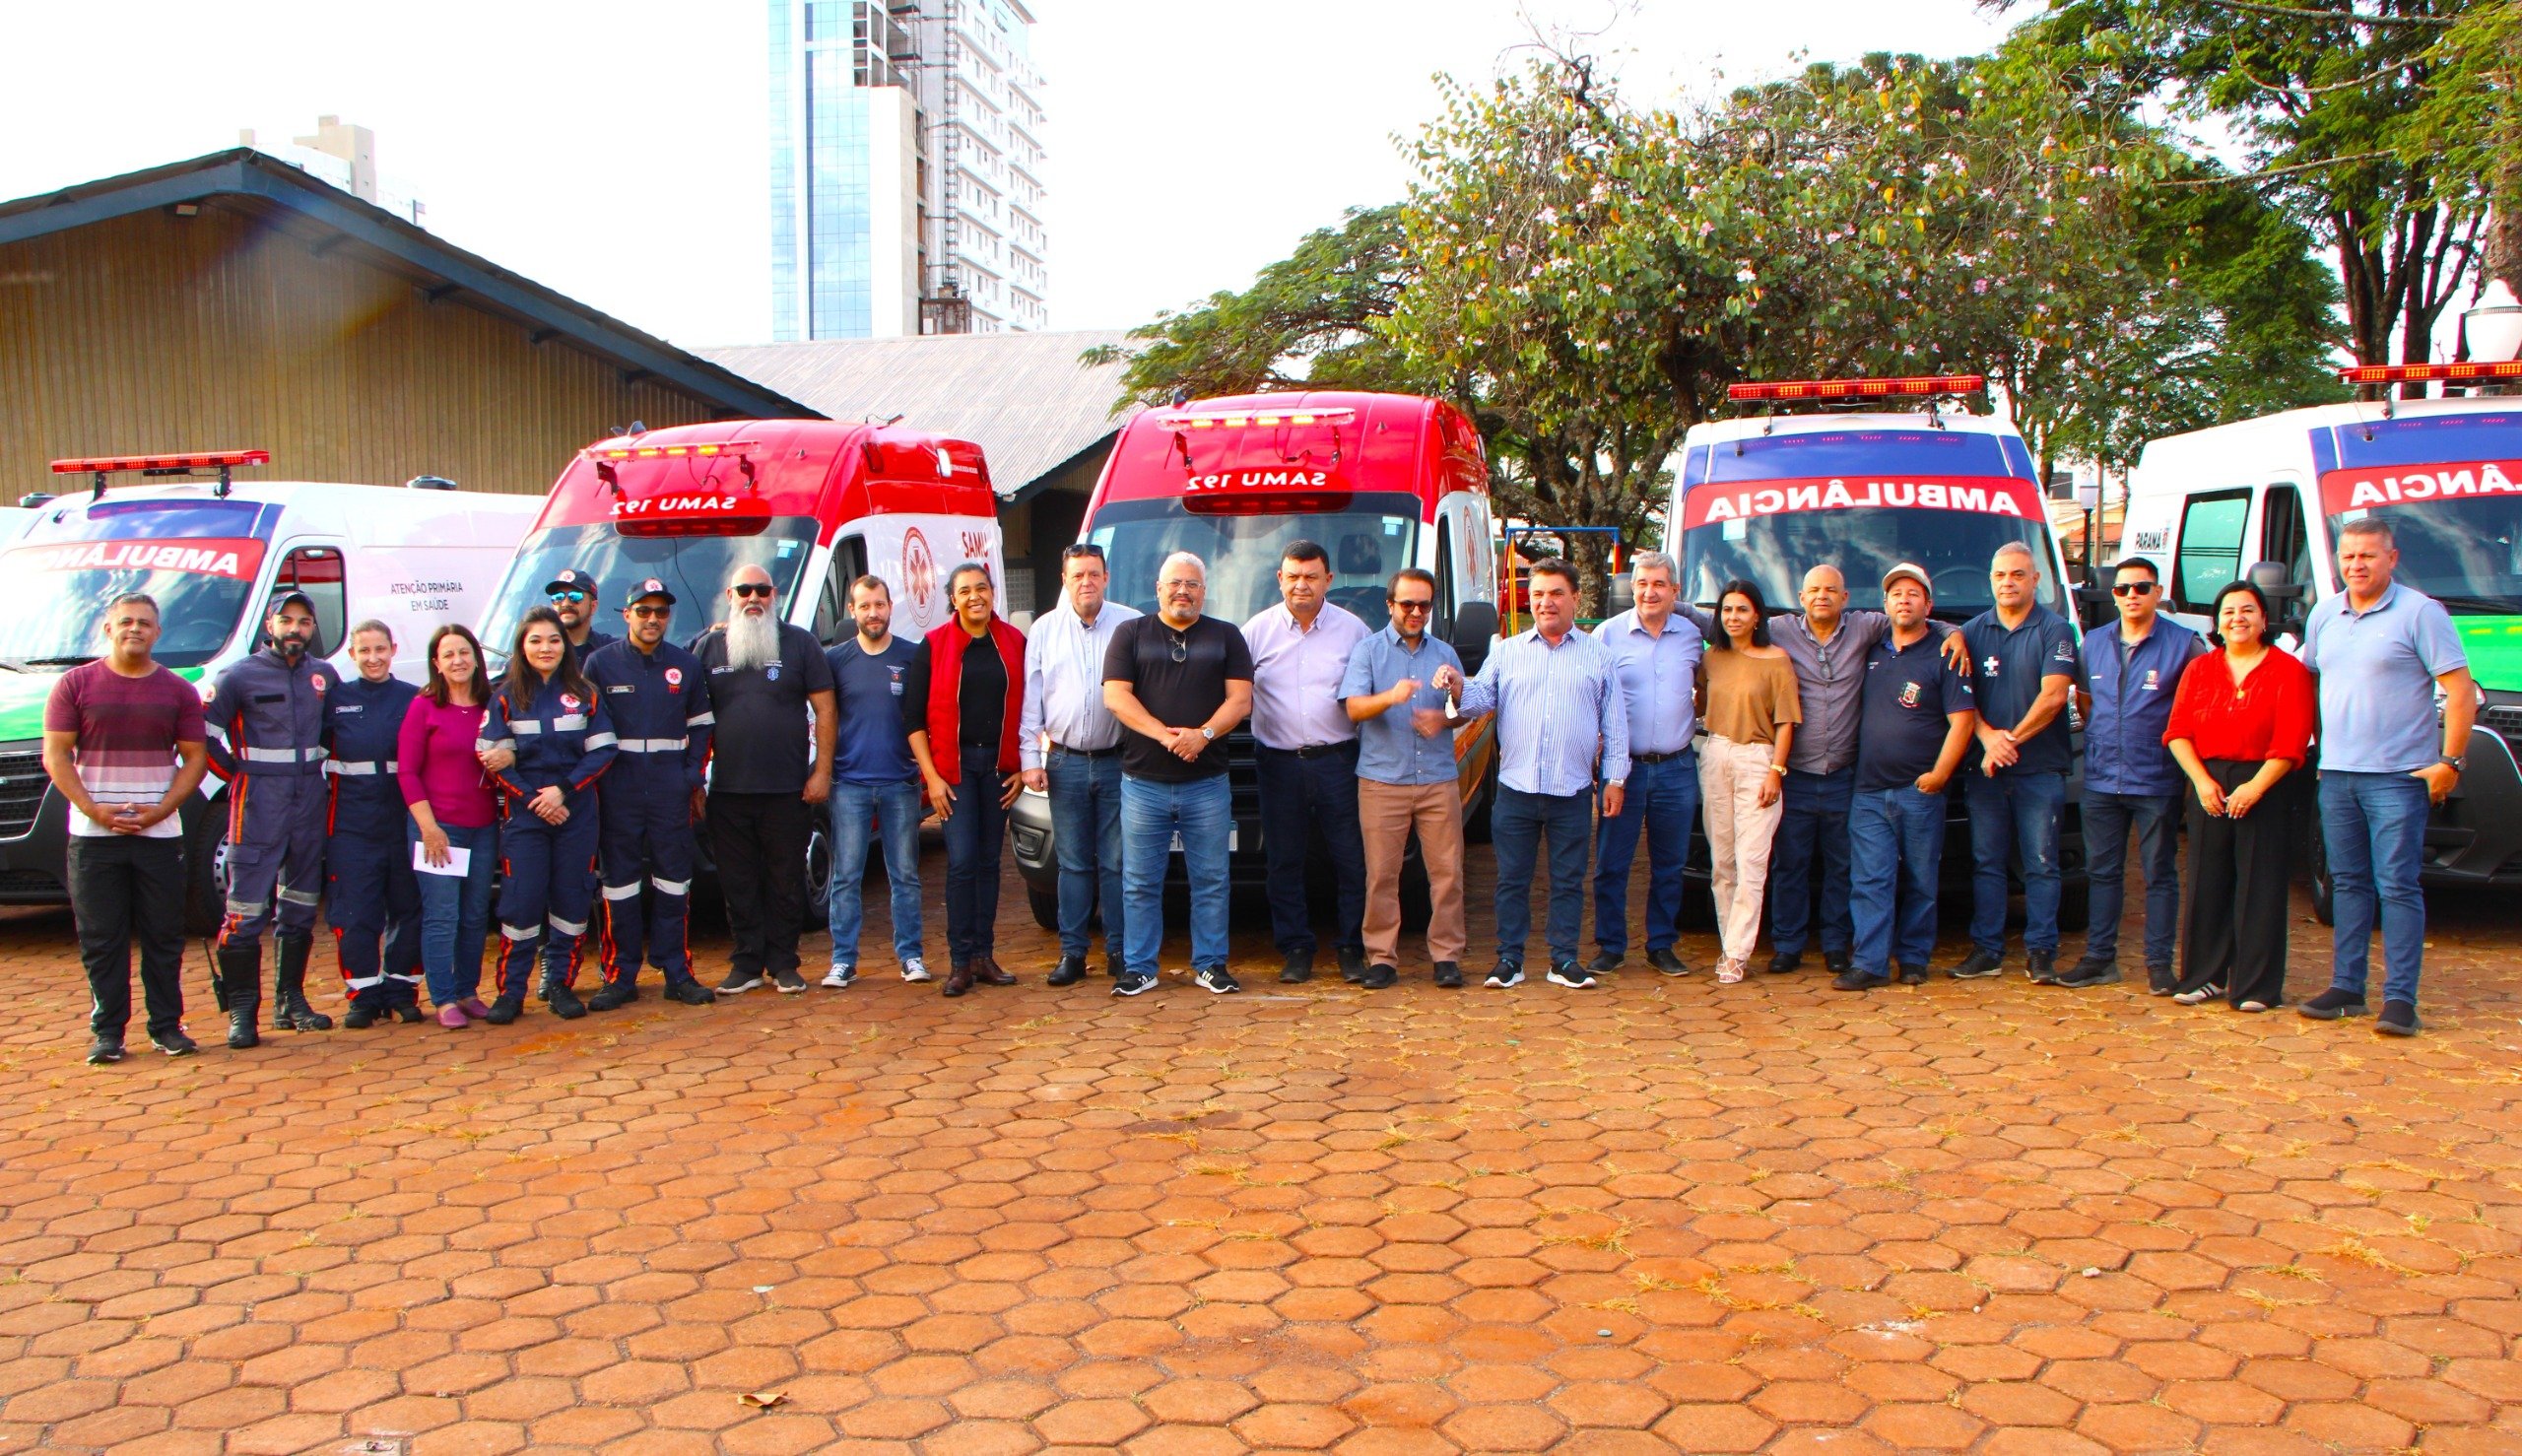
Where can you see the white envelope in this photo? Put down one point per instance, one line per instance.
(459, 861)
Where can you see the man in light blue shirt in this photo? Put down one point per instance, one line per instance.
(1068, 747)
(1560, 717)
(1657, 650)
(2382, 651)
(1407, 777)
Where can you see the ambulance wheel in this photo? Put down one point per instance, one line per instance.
(2324, 888)
(1046, 907)
(206, 872)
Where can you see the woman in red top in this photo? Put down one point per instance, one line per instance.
(2239, 729)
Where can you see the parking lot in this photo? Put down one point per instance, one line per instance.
(1662, 1216)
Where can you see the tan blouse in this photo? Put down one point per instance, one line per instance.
(1746, 697)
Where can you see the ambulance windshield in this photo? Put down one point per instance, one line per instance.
(1369, 536)
(1863, 500)
(2451, 488)
(197, 559)
(696, 569)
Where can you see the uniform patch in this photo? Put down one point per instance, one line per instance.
(674, 677)
(772, 671)
(318, 679)
(1908, 694)
(570, 700)
(1989, 665)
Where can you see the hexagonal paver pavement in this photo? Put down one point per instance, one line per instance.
(1664, 1215)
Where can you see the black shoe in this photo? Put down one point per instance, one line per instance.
(1070, 970)
(1838, 963)
(1130, 984)
(691, 993)
(2160, 981)
(2398, 1019)
(1571, 975)
(1352, 963)
(1508, 976)
(408, 1013)
(1299, 969)
(1786, 962)
(2082, 975)
(1853, 979)
(565, 1003)
(1979, 965)
(506, 1009)
(2087, 965)
(1449, 974)
(2332, 1004)
(2041, 966)
(614, 994)
(174, 1044)
(1666, 963)
(739, 983)
(1606, 962)
(1379, 976)
(1914, 975)
(788, 980)
(1216, 979)
(359, 1017)
(104, 1051)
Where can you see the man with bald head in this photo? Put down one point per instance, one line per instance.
(1829, 645)
(2024, 656)
(769, 764)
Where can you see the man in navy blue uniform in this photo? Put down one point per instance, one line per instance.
(658, 697)
(267, 724)
(2024, 656)
(572, 595)
(370, 897)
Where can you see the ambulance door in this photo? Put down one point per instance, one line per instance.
(2284, 537)
(848, 561)
(915, 554)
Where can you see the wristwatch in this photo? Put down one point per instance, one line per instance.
(1211, 734)
(2459, 764)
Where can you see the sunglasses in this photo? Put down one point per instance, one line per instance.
(652, 611)
(1407, 606)
(751, 588)
(568, 596)
(2133, 588)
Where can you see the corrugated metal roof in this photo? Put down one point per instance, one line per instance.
(1021, 397)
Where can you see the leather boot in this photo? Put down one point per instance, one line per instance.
(960, 980)
(987, 971)
(289, 1011)
(240, 988)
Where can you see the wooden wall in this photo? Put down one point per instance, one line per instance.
(158, 333)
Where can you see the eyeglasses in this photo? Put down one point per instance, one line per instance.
(652, 611)
(1182, 586)
(753, 588)
(568, 596)
(1420, 606)
(2132, 588)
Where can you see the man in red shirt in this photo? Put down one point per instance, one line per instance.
(123, 744)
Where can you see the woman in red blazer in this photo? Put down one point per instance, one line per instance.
(969, 676)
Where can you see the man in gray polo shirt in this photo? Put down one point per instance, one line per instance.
(2382, 650)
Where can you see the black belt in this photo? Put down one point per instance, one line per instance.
(1658, 757)
(1061, 747)
(1322, 750)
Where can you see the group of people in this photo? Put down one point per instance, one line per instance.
(1816, 745)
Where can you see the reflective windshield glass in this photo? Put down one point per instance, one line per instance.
(2451, 486)
(694, 568)
(1369, 536)
(1774, 552)
(2465, 554)
(55, 612)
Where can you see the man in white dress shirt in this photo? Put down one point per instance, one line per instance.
(1070, 749)
(1307, 757)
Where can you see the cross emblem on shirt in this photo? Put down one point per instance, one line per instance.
(1990, 665)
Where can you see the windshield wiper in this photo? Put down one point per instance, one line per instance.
(75, 659)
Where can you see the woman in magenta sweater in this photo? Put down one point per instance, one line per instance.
(453, 808)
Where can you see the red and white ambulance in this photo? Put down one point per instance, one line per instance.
(1382, 481)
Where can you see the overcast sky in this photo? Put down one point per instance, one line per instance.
(617, 151)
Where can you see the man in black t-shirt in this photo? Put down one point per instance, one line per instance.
(767, 763)
(1178, 681)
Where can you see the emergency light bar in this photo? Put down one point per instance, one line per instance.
(668, 452)
(1912, 385)
(1263, 419)
(2449, 373)
(222, 461)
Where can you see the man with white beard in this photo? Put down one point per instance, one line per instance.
(769, 763)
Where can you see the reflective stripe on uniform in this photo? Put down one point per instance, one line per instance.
(484, 744)
(247, 909)
(568, 927)
(361, 985)
(301, 897)
(525, 725)
(704, 718)
(623, 892)
(363, 767)
(648, 745)
(599, 741)
(413, 979)
(567, 724)
(520, 932)
(281, 756)
(672, 887)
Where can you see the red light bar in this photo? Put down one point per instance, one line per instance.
(2450, 374)
(119, 464)
(1909, 385)
(729, 449)
(1263, 419)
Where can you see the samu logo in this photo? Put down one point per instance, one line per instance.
(1908, 694)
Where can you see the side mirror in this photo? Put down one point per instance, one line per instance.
(1620, 595)
(1475, 626)
(2094, 608)
(2285, 596)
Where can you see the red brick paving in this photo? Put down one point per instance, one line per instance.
(1661, 1216)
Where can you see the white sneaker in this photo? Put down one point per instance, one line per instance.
(916, 969)
(840, 978)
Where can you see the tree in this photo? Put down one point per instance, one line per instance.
(2471, 123)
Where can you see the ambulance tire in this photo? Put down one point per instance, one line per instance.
(206, 870)
(2316, 861)
(1474, 819)
(1046, 907)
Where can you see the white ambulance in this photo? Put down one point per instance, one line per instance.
(213, 551)
(2263, 500)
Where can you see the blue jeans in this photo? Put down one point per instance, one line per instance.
(1662, 800)
(2373, 825)
(1153, 812)
(455, 914)
(858, 812)
(2157, 817)
(976, 833)
(1517, 824)
(1085, 834)
(1896, 868)
(1816, 808)
(2011, 811)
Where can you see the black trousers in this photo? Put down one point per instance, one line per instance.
(2233, 934)
(760, 844)
(1302, 799)
(126, 886)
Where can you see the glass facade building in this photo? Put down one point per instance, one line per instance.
(821, 239)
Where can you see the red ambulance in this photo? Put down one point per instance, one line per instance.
(1382, 481)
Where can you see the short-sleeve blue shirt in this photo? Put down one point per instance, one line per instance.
(1389, 750)
(2006, 669)
(2377, 669)
(1906, 706)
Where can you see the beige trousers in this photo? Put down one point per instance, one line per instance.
(1386, 814)
(1739, 832)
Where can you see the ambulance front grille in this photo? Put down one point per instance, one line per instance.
(22, 786)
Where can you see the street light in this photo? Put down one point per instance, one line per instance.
(2495, 328)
